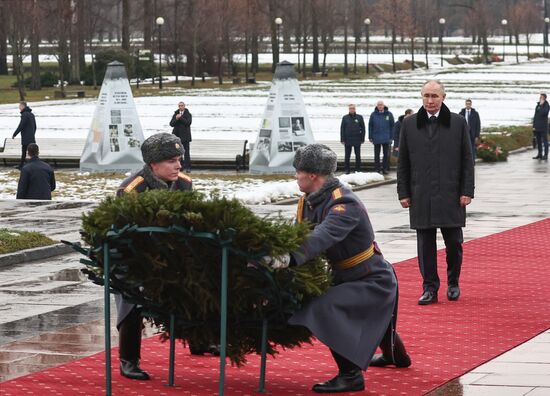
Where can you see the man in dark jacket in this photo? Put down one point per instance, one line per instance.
(37, 179)
(359, 312)
(380, 134)
(435, 180)
(161, 153)
(27, 128)
(352, 135)
(181, 122)
(397, 131)
(474, 123)
(540, 126)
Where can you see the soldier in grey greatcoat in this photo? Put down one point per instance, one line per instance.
(435, 181)
(358, 313)
(161, 154)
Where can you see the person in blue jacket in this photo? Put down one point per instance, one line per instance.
(381, 135)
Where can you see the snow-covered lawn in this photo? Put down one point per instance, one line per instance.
(504, 94)
(73, 185)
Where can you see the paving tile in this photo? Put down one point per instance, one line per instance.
(531, 380)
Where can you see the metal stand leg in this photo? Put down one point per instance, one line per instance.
(107, 310)
(223, 320)
(172, 350)
(261, 389)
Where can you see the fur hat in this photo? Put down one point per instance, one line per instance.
(315, 158)
(161, 147)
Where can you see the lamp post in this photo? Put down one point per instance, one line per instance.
(441, 25)
(367, 24)
(278, 22)
(545, 38)
(504, 22)
(160, 21)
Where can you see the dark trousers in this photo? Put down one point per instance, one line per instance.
(542, 140)
(474, 150)
(23, 155)
(427, 256)
(347, 155)
(129, 336)
(186, 164)
(344, 365)
(385, 160)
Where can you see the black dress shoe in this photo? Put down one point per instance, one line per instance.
(130, 369)
(205, 349)
(379, 360)
(545, 157)
(538, 157)
(429, 297)
(345, 382)
(453, 292)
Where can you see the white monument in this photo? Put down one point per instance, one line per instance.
(115, 137)
(285, 125)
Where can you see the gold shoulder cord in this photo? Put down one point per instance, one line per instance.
(300, 210)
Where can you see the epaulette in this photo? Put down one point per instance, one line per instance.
(337, 193)
(133, 184)
(184, 177)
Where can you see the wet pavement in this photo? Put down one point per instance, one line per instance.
(50, 313)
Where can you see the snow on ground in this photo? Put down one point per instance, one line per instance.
(73, 185)
(504, 94)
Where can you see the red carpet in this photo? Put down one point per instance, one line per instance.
(504, 303)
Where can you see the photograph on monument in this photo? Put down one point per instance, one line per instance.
(284, 147)
(128, 130)
(265, 123)
(265, 132)
(284, 134)
(116, 117)
(298, 128)
(297, 145)
(284, 122)
(113, 138)
(134, 143)
(264, 147)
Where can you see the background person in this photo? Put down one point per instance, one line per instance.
(352, 135)
(380, 134)
(435, 181)
(397, 131)
(360, 308)
(27, 128)
(37, 179)
(181, 122)
(474, 123)
(540, 127)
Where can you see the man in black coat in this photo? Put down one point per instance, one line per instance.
(181, 122)
(474, 123)
(397, 131)
(540, 126)
(352, 135)
(37, 179)
(435, 181)
(359, 312)
(27, 128)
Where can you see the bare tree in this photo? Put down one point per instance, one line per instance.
(34, 41)
(391, 12)
(17, 37)
(3, 38)
(126, 25)
(327, 10)
(314, 35)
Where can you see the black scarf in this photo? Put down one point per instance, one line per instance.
(153, 182)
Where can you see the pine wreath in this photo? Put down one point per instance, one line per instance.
(158, 261)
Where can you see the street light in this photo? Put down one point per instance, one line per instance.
(160, 21)
(441, 24)
(504, 22)
(278, 22)
(367, 23)
(545, 38)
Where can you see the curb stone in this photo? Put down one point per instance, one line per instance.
(38, 253)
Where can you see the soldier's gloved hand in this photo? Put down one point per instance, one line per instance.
(277, 262)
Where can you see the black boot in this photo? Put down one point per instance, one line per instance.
(396, 356)
(343, 382)
(129, 341)
(130, 369)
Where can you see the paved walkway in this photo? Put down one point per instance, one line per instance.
(507, 195)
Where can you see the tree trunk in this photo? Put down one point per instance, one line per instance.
(274, 36)
(62, 43)
(75, 32)
(35, 39)
(3, 40)
(147, 24)
(393, 49)
(315, 38)
(346, 71)
(426, 51)
(517, 43)
(176, 42)
(126, 25)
